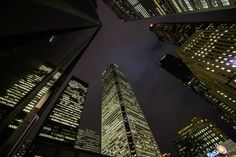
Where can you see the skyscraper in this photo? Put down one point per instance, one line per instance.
(198, 136)
(35, 42)
(176, 33)
(125, 131)
(177, 68)
(63, 122)
(210, 54)
(129, 10)
(202, 5)
(18, 91)
(88, 140)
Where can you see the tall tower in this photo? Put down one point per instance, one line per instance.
(63, 122)
(211, 55)
(198, 136)
(177, 68)
(37, 43)
(129, 10)
(125, 131)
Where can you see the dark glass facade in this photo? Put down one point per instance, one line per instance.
(40, 37)
(178, 68)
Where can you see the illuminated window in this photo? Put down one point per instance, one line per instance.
(204, 3)
(176, 6)
(139, 8)
(225, 2)
(188, 5)
(214, 3)
(182, 5)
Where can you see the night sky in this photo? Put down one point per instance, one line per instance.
(166, 103)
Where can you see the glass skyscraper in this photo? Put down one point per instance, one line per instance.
(197, 137)
(129, 10)
(211, 56)
(63, 121)
(125, 131)
(195, 5)
(177, 68)
(49, 39)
